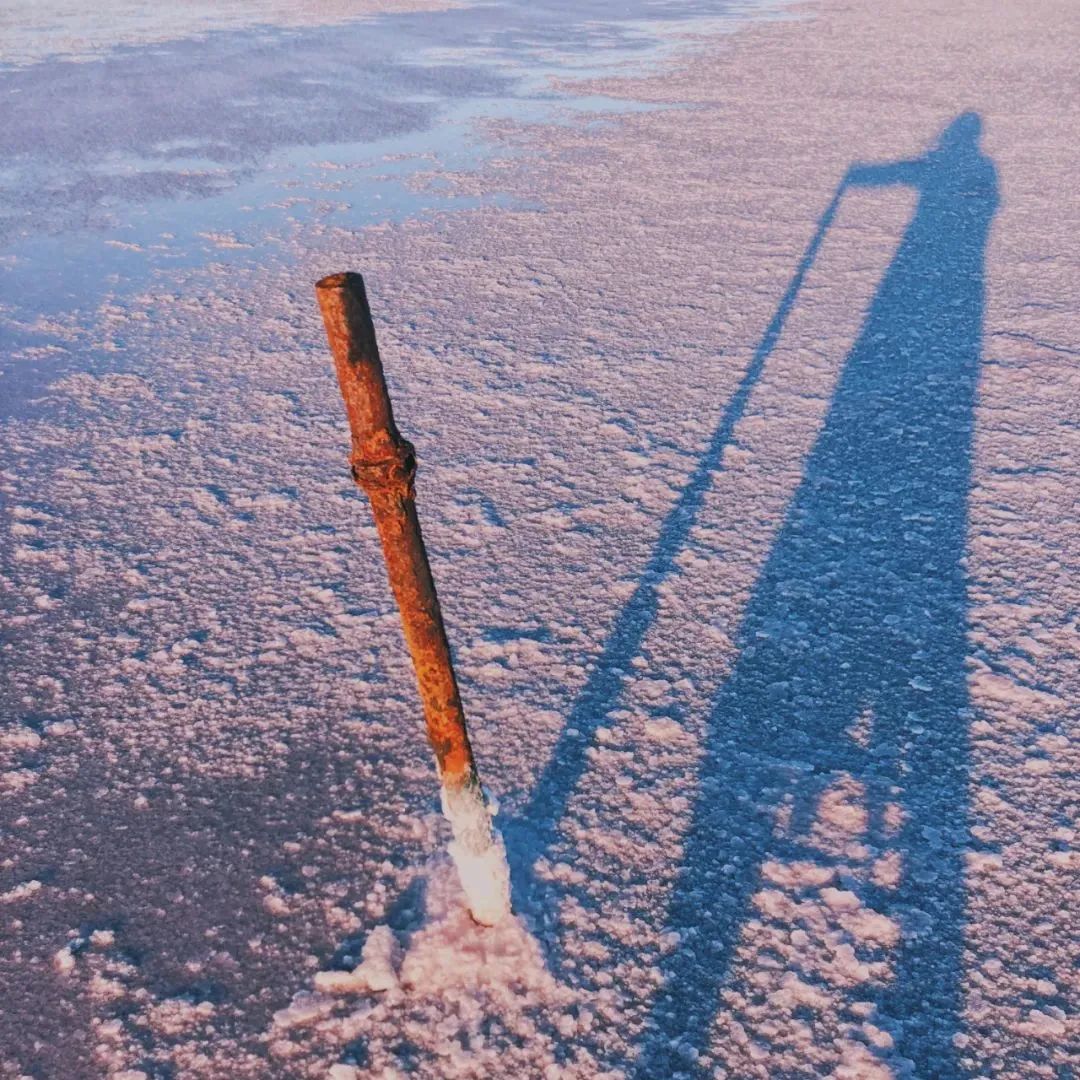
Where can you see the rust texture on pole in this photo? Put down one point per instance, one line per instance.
(384, 465)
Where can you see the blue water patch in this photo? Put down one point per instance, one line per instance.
(170, 155)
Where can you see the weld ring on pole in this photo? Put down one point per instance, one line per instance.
(396, 474)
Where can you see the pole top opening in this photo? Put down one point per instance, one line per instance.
(346, 280)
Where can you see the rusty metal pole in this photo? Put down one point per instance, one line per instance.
(384, 465)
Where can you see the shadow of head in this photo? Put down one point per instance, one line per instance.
(962, 135)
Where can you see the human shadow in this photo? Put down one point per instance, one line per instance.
(860, 612)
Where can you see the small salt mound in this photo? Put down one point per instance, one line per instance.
(451, 952)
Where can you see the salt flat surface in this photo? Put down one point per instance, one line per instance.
(749, 468)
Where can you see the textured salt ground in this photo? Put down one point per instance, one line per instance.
(649, 529)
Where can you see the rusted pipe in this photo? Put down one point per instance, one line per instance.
(384, 465)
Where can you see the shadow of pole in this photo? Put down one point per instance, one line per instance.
(860, 611)
(535, 830)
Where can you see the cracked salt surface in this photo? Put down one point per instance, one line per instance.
(758, 554)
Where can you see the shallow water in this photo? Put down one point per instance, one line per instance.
(223, 148)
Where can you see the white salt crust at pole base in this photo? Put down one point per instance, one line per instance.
(478, 853)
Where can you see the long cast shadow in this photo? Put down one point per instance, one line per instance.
(535, 830)
(860, 611)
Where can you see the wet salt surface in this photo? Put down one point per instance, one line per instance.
(759, 559)
(160, 156)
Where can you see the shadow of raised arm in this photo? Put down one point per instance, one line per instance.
(911, 173)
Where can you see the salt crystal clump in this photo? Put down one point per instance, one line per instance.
(378, 961)
(304, 1009)
(64, 961)
(377, 970)
(1045, 1024)
(338, 982)
(20, 892)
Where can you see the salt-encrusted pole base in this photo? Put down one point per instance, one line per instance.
(478, 853)
(384, 465)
